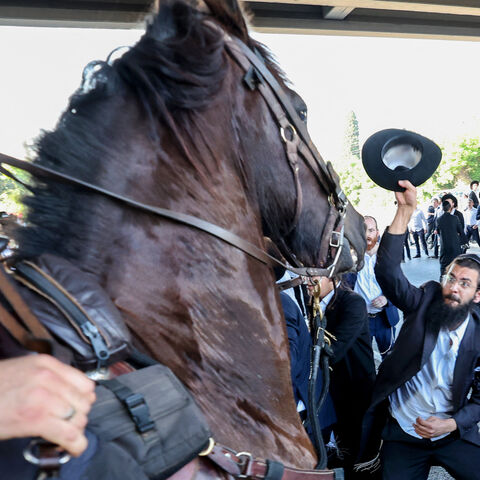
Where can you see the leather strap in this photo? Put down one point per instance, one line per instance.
(243, 465)
(29, 332)
(189, 220)
(294, 282)
(280, 105)
(21, 309)
(234, 45)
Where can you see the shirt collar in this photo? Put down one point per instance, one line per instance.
(326, 300)
(457, 335)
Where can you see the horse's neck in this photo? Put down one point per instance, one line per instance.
(202, 307)
(211, 314)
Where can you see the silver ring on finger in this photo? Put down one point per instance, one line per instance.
(69, 415)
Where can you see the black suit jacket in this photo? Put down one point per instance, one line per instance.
(473, 196)
(414, 346)
(460, 218)
(353, 367)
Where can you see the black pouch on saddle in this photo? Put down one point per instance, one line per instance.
(74, 309)
(147, 424)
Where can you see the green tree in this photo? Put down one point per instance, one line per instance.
(352, 145)
(354, 180)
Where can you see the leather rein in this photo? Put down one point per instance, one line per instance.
(297, 142)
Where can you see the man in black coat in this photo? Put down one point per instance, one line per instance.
(426, 400)
(473, 193)
(353, 370)
(352, 364)
(452, 237)
(452, 199)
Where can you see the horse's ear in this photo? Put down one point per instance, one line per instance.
(230, 15)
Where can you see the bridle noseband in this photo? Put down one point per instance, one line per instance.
(297, 143)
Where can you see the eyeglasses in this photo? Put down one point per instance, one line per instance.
(451, 281)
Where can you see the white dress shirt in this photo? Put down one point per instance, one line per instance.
(470, 216)
(418, 221)
(367, 286)
(429, 392)
(326, 300)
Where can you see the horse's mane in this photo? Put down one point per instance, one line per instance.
(178, 65)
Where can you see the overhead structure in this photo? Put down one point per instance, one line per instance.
(446, 19)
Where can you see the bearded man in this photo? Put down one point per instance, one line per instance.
(426, 400)
(383, 316)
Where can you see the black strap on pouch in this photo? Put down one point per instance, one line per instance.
(146, 421)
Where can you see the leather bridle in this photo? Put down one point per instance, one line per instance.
(297, 143)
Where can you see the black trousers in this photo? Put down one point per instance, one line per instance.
(420, 234)
(472, 232)
(408, 458)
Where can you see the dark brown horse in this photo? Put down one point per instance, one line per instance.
(172, 124)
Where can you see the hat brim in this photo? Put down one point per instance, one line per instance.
(387, 178)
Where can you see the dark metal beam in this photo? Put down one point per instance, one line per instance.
(445, 7)
(452, 19)
(284, 17)
(75, 13)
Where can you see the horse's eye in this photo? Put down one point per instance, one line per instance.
(303, 115)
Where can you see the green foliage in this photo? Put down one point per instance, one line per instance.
(460, 164)
(11, 191)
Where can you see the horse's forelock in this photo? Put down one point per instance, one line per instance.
(178, 63)
(231, 16)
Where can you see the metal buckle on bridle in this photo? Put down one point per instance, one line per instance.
(339, 246)
(336, 239)
(246, 459)
(290, 128)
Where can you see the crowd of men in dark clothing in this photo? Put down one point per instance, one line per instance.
(446, 236)
(424, 406)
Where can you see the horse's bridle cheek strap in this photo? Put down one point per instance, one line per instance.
(288, 132)
(332, 235)
(326, 236)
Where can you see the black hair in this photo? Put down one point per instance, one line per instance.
(446, 206)
(473, 182)
(453, 198)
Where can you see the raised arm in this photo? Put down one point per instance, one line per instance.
(388, 272)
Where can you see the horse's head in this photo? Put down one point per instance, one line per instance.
(303, 208)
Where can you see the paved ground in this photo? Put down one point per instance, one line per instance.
(419, 271)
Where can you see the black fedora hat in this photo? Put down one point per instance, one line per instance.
(393, 154)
